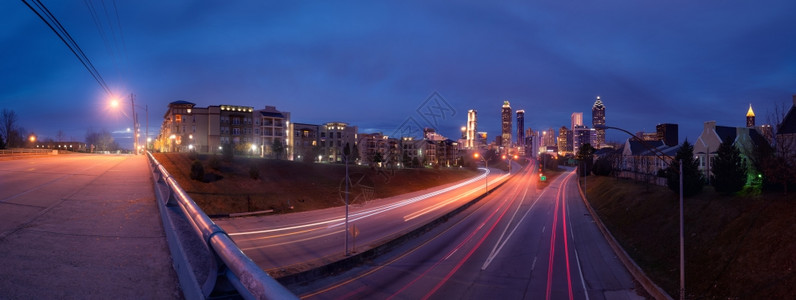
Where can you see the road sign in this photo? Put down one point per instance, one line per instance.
(543, 178)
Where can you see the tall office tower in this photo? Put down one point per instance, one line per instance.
(549, 137)
(577, 120)
(472, 128)
(564, 142)
(750, 117)
(520, 125)
(598, 118)
(667, 133)
(506, 125)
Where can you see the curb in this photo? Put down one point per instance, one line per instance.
(653, 289)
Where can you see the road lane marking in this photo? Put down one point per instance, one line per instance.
(496, 250)
(564, 231)
(533, 266)
(577, 257)
(293, 241)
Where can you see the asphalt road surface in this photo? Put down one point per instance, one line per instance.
(524, 241)
(302, 240)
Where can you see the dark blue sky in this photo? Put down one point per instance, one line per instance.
(373, 64)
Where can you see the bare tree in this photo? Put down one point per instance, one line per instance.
(101, 140)
(778, 162)
(8, 127)
(60, 136)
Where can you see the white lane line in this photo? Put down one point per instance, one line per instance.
(533, 266)
(543, 228)
(366, 213)
(574, 247)
(495, 252)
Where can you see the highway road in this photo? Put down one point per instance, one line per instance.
(520, 242)
(283, 244)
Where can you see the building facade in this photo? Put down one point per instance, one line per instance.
(305, 142)
(471, 129)
(564, 141)
(707, 144)
(505, 136)
(668, 133)
(274, 134)
(333, 138)
(597, 120)
(520, 128)
(582, 135)
(576, 120)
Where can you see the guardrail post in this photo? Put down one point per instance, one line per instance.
(171, 200)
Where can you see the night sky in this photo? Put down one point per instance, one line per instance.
(373, 64)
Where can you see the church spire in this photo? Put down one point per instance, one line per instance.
(750, 113)
(750, 117)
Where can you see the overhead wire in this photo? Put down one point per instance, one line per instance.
(67, 39)
(92, 12)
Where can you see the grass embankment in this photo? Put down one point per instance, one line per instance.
(736, 247)
(285, 184)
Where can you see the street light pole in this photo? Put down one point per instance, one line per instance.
(346, 152)
(135, 128)
(682, 249)
(682, 240)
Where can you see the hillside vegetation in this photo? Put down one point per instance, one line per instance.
(287, 186)
(736, 247)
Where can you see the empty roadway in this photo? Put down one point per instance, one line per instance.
(82, 226)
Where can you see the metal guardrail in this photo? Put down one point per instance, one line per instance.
(25, 151)
(249, 280)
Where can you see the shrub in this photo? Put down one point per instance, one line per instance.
(602, 167)
(254, 171)
(197, 170)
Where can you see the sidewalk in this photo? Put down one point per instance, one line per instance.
(104, 240)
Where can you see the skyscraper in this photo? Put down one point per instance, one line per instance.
(598, 118)
(472, 128)
(506, 128)
(549, 137)
(520, 125)
(667, 133)
(750, 117)
(564, 141)
(577, 120)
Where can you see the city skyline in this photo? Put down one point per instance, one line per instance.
(374, 65)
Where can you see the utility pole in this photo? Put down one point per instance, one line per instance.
(135, 128)
(346, 152)
(682, 248)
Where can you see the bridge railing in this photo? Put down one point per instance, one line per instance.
(250, 281)
(28, 151)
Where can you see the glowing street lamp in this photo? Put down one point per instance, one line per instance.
(114, 103)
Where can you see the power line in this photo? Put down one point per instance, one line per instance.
(65, 37)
